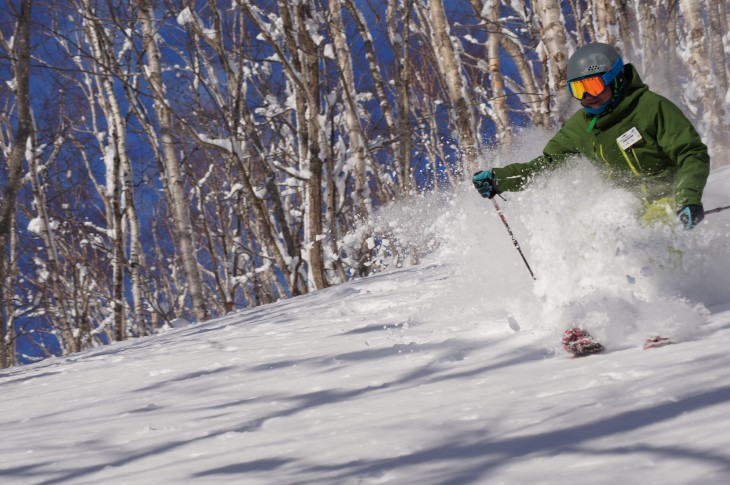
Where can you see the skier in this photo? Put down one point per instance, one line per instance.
(637, 138)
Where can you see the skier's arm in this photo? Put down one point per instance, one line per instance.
(682, 144)
(516, 175)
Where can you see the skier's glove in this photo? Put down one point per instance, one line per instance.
(691, 215)
(486, 183)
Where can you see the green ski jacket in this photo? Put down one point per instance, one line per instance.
(644, 144)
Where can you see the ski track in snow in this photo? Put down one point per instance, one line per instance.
(448, 372)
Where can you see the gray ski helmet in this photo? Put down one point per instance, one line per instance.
(592, 59)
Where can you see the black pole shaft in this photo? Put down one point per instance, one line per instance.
(718, 209)
(514, 240)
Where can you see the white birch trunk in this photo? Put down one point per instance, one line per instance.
(651, 37)
(450, 68)
(555, 45)
(178, 202)
(719, 43)
(371, 57)
(402, 92)
(700, 69)
(312, 133)
(601, 20)
(70, 341)
(534, 98)
(20, 63)
(126, 218)
(499, 100)
(355, 131)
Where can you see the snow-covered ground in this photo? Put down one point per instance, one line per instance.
(448, 372)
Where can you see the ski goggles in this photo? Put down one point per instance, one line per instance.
(596, 84)
(593, 86)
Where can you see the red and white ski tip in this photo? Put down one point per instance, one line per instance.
(580, 343)
(656, 342)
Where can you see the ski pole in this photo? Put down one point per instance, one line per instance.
(718, 209)
(514, 240)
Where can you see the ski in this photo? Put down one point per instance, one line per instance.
(580, 343)
(655, 342)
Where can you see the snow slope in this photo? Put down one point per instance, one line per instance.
(448, 372)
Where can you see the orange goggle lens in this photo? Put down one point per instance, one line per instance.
(594, 86)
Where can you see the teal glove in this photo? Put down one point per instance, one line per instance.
(691, 215)
(486, 183)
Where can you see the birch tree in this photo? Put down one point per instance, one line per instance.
(517, 47)
(45, 227)
(356, 134)
(699, 58)
(535, 100)
(489, 13)
(381, 91)
(310, 76)
(302, 69)
(450, 68)
(173, 173)
(604, 20)
(17, 46)
(118, 192)
(402, 74)
(718, 34)
(555, 55)
(245, 151)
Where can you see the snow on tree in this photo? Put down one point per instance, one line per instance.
(190, 159)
